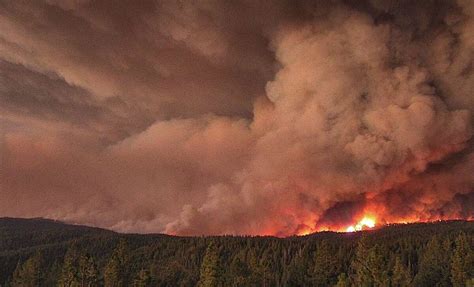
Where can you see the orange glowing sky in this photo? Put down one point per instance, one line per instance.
(237, 117)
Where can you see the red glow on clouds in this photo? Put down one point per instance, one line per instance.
(373, 219)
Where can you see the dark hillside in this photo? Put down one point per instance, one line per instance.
(422, 254)
(16, 234)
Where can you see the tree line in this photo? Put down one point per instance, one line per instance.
(401, 256)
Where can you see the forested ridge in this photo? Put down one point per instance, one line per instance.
(39, 252)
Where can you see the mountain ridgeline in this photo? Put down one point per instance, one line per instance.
(39, 252)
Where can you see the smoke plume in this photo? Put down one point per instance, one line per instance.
(208, 117)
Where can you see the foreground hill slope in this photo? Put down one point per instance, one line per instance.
(18, 234)
(50, 253)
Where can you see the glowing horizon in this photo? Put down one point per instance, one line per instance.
(366, 222)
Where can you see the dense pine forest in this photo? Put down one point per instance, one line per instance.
(38, 252)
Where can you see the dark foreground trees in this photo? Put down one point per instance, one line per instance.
(29, 274)
(116, 272)
(211, 273)
(400, 256)
(78, 270)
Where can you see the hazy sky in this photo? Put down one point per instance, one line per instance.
(236, 117)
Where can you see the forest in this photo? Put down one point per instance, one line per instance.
(40, 252)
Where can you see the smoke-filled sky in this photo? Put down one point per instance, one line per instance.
(236, 117)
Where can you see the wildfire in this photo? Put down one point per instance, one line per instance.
(366, 222)
(368, 219)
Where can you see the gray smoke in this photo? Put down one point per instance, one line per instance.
(205, 117)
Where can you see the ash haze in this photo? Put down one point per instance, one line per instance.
(236, 117)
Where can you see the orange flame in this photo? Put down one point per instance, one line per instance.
(373, 215)
(365, 223)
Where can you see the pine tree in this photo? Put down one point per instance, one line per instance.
(256, 271)
(29, 273)
(359, 266)
(297, 272)
(115, 270)
(88, 272)
(51, 277)
(462, 261)
(210, 269)
(239, 272)
(324, 269)
(434, 267)
(143, 279)
(401, 276)
(369, 265)
(69, 273)
(343, 281)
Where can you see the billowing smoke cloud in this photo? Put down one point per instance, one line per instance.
(205, 117)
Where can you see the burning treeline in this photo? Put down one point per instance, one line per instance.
(361, 115)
